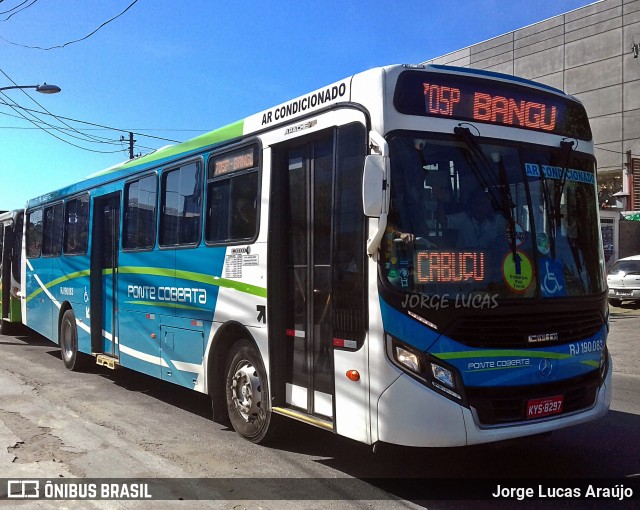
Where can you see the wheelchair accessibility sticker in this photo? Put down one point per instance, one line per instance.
(552, 278)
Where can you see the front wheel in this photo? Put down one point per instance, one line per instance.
(68, 341)
(615, 302)
(247, 393)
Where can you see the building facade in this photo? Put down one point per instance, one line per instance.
(592, 53)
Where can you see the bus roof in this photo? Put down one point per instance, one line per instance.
(334, 93)
(158, 157)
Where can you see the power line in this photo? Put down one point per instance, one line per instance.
(43, 125)
(136, 132)
(83, 136)
(55, 136)
(17, 11)
(39, 123)
(68, 130)
(614, 151)
(75, 40)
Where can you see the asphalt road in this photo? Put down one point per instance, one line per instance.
(119, 424)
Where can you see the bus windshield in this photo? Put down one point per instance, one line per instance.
(491, 217)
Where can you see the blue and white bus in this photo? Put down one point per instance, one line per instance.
(410, 255)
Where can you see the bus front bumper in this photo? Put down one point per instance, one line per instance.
(410, 414)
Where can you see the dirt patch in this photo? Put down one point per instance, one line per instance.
(37, 443)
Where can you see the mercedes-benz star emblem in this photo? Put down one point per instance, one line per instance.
(545, 367)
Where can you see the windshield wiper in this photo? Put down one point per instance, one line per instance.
(504, 203)
(550, 206)
(566, 148)
(554, 204)
(478, 155)
(507, 207)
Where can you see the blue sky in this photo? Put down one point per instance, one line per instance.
(177, 69)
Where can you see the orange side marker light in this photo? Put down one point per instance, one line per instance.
(353, 375)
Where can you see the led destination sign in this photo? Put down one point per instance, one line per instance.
(499, 109)
(232, 162)
(495, 102)
(448, 267)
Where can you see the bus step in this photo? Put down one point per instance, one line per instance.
(316, 421)
(107, 361)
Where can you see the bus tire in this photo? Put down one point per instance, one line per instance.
(6, 327)
(247, 393)
(68, 341)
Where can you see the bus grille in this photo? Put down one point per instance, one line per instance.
(513, 330)
(495, 406)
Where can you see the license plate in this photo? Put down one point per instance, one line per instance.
(623, 293)
(539, 407)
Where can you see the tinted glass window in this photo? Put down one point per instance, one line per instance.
(349, 260)
(52, 230)
(140, 214)
(496, 219)
(76, 226)
(232, 199)
(181, 205)
(34, 233)
(233, 206)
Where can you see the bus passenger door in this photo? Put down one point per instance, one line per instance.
(104, 275)
(316, 269)
(6, 243)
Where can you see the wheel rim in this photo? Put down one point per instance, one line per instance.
(67, 341)
(246, 392)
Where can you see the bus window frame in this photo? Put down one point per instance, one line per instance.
(156, 226)
(52, 205)
(27, 239)
(64, 226)
(162, 173)
(257, 145)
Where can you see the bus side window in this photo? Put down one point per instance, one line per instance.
(181, 205)
(217, 217)
(140, 214)
(34, 233)
(232, 196)
(233, 208)
(76, 226)
(52, 230)
(244, 203)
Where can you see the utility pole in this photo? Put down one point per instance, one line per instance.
(131, 142)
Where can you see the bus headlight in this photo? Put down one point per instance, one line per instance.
(429, 370)
(407, 358)
(443, 375)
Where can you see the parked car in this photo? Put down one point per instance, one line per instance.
(624, 280)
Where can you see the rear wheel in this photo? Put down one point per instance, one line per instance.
(615, 302)
(6, 327)
(247, 393)
(68, 341)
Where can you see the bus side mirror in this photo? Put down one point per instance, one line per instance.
(373, 185)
